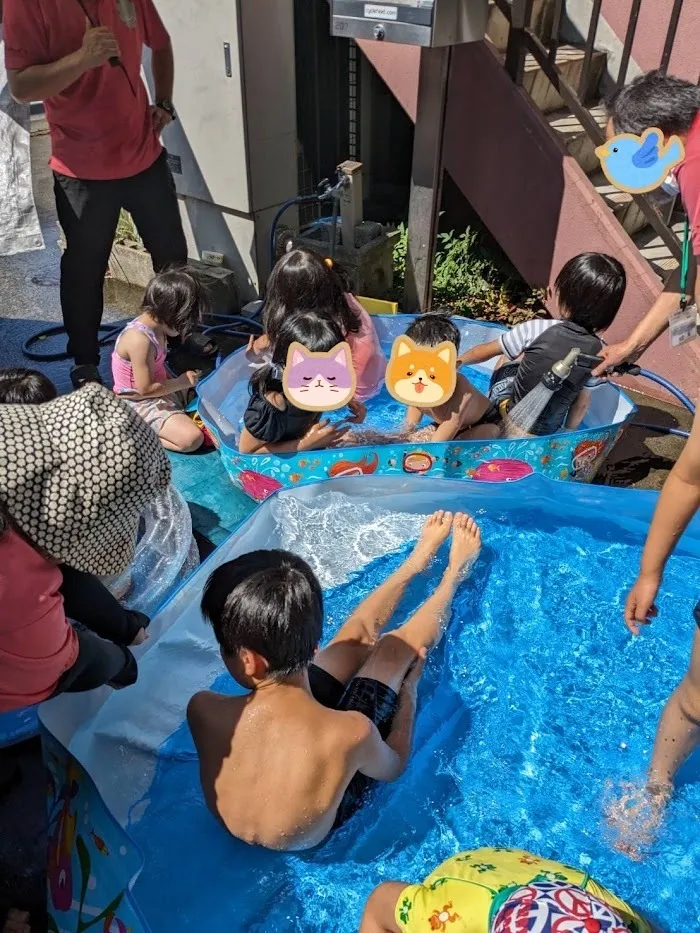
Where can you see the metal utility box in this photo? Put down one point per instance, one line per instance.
(428, 23)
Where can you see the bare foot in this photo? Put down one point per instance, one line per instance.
(636, 816)
(466, 544)
(436, 531)
(141, 637)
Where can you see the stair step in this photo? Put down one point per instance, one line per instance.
(574, 137)
(622, 204)
(498, 28)
(655, 251)
(569, 62)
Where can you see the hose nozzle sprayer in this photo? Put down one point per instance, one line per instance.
(561, 371)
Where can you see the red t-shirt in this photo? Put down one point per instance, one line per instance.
(37, 643)
(688, 178)
(100, 125)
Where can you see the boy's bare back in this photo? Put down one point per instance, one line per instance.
(274, 769)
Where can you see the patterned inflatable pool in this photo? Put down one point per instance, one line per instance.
(574, 455)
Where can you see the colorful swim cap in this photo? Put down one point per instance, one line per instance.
(555, 907)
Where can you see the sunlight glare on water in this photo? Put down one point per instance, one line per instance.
(536, 702)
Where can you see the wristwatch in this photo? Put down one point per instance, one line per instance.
(167, 106)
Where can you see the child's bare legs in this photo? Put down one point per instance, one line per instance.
(397, 651)
(350, 648)
(678, 733)
(180, 434)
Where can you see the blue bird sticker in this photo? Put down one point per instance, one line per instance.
(638, 164)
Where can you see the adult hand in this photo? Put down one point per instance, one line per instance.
(321, 435)
(640, 608)
(99, 45)
(358, 410)
(159, 119)
(614, 355)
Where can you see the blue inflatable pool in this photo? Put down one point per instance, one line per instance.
(573, 455)
(534, 713)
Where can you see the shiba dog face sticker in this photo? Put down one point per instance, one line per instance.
(319, 381)
(422, 376)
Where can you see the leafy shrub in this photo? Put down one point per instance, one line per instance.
(472, 279)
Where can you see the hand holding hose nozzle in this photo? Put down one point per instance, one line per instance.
(619, 369)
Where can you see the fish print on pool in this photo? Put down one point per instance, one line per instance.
(574, 456)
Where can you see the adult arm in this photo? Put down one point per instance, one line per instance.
(39, 82)
(678, 503)
(653, 324)
(380, 912)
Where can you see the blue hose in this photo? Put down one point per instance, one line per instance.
(669, 386)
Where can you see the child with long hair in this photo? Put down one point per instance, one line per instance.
(303, 281)
(172, 307)
(271, 423)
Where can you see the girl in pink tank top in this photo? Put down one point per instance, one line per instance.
(172, 306)
(304, 281)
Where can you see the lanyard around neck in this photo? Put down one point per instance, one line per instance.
(685, 264)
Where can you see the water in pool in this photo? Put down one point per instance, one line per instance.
(533, 704)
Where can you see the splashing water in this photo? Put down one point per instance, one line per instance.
(533, 713)
(520, 421)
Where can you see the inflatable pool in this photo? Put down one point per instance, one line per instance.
(574, 455)
(166, 554)
(534, 710)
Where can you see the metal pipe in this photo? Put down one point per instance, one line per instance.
(671, 35)
(590, 47)
(629, 41)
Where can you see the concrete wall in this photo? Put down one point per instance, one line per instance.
(534, 199)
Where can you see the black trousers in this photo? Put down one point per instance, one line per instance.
(104, 629)
(88, 212)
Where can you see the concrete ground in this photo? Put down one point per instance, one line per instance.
(30, 301)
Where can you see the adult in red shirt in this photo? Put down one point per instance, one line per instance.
(83, 59)
(672, 105)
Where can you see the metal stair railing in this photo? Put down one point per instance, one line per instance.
(522, 40)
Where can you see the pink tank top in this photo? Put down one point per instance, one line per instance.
(122, 372)
(367, 356)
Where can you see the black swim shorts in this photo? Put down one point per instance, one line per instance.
(374, 700)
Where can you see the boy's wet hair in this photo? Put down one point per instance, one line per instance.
(303, 281)
(25, 387)
(176, 298)
(315, 330)
(432, 329)
(269, 602)
(590, 288)
(654, 99)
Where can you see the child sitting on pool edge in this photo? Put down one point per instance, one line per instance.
(468, 414)
(304, 281)
(271, 423)
(589, 291)
(292, 760)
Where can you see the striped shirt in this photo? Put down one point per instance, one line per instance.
(521, 337)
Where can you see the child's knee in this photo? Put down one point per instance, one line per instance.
(689, 699)
(184, 437)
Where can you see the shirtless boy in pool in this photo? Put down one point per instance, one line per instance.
(292, 760)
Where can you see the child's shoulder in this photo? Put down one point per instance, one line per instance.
(207, 705)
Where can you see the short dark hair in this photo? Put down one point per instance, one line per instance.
(176, 298)
(590, 288)
(269, 602)
(25, 387)
(654, 99)
(432, 329)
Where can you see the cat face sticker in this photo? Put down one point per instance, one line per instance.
(319, 381)
(421, 376)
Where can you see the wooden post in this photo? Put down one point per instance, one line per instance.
(351, 202)
(426, 178)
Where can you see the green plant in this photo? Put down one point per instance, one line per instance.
(127, 232)
(471, 277)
